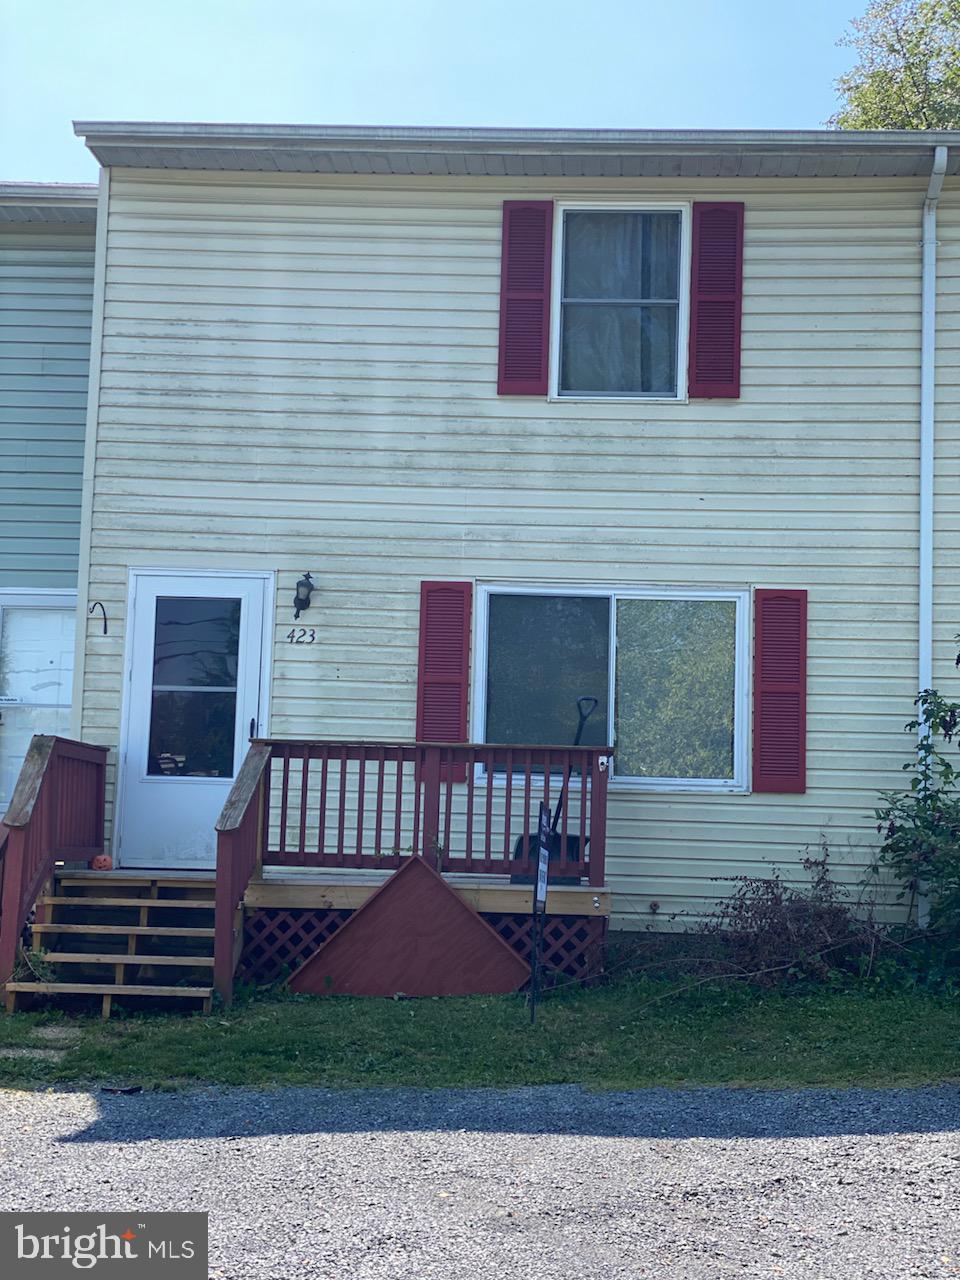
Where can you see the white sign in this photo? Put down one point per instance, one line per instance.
(540, 896)
(540, 900)
(10, 701)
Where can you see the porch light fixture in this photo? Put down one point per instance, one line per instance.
(301, 601)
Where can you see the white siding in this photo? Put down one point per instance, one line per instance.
(300, 373)
(46, 291)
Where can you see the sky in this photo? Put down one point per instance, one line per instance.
(764, 64)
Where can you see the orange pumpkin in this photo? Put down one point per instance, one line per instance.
(102, 862)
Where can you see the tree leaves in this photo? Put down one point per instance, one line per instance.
(908, 72)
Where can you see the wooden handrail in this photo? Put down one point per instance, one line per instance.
(245, 787)
(30, 780)
(458, 748)
(57, 811)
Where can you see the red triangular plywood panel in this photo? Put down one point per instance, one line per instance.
(414, 936)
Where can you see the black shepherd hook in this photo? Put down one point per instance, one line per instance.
(98, 605)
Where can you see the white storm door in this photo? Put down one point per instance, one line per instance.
(194, 701)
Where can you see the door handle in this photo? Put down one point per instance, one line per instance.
(253, 727)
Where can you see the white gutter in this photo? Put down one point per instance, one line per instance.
(928, 354)
(365, 135)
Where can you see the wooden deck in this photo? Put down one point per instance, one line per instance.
(311, 834)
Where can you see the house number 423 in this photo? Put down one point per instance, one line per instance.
(301, 635)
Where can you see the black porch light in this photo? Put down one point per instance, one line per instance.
(301, 601)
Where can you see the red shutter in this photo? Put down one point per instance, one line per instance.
(444, 673)
(716, 291)
(525, 297)
(780, 691)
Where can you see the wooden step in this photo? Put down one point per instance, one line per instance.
(105, 990)
(123, 930)
(121, 957)
(190, 904)
(184, 880)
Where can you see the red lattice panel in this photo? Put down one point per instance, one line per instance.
(570, 945)
(276, 941)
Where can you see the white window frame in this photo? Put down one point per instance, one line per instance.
(741, 597)
(685, 209)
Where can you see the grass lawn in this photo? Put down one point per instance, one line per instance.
(619, 1036)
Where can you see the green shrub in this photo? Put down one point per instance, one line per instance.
(920, 825)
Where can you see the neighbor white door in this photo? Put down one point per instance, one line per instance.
(36, 676)
(195, 698)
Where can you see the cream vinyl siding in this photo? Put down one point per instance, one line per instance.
(300, 373)
(46, 300)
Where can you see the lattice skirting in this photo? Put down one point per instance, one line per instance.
(571, 946)
(276, 941)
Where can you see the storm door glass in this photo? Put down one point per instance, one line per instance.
(193, 707)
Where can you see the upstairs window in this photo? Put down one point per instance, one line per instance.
(619, 307)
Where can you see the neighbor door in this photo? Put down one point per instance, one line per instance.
(195, 698)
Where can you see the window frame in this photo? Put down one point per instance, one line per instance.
(561, 209)
(739, 784)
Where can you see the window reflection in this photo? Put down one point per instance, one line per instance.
(194, 699)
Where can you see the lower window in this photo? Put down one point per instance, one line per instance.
(668, 669)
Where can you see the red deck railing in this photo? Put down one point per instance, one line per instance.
(364, 805)
(56, 813)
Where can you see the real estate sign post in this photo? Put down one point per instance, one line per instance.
(539, 906)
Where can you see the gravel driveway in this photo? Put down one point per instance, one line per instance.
(533, 1183)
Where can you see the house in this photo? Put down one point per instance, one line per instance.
(47, 235)
(420, 436)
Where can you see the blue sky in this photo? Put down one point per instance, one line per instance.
(567, 63)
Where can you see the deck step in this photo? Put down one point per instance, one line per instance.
(121, 957)
(185, 880)
(124, 930)
(79, 900)
(107, 989)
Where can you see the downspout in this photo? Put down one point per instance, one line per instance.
(928, 355)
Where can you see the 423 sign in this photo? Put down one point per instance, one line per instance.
(301, 635)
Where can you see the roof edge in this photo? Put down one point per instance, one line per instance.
(147, 133)
(37, 193)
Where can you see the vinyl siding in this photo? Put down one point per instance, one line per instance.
(300, 373)
(46, 293)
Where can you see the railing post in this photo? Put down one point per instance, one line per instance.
(262, 833)
(223, 914)
(240, 848)
(598, 820)
(430, 776)
(100, 804)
